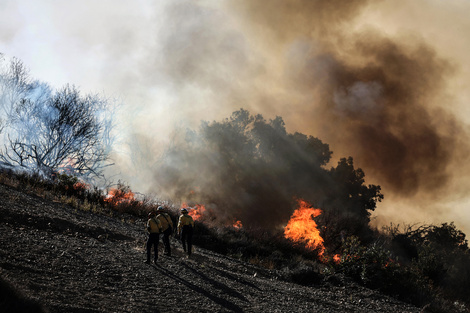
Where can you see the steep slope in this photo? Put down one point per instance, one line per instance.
(75, 261)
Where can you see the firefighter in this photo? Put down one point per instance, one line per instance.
(167, 228)
(154, 228)
(185, 230)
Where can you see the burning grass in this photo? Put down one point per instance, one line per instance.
(429, 265)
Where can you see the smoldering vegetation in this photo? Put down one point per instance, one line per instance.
(242, 168)
(325, 67)
(381, 98)
(426, 265)
(250, 169)
(50, 131)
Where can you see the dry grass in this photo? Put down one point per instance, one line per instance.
(428, 277)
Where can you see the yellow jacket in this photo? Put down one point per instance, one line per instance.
(154, 225)
(184, 220)
(165, 221)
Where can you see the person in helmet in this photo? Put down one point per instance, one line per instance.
(185, 230)
(167, 228)
(154, 228)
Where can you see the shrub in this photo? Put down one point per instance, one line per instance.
(375, 267)
(444, 257)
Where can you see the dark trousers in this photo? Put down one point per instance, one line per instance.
(166, 240)
(187, 238)
(152, 241)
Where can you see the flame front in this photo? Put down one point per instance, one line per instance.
(117, 196)
(196, 212)
(303, 229)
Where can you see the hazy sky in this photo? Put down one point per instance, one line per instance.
(383, 81)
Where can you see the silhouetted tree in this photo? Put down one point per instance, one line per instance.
(443, 256)
(348, 203)
(252, 169)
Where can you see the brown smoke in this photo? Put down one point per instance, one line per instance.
(378, 97)
(384, 111)
(372, 97)
(382, 81)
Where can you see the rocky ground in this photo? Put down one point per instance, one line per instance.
(54, 258)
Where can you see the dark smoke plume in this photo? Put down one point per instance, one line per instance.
(249, 169)
(384, 111)
(373, 97)
(380, 81)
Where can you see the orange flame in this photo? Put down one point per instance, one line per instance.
(80, 186)
(336, 258)
(302, 228)
(237, 225)
(117, 196)
(197, 212)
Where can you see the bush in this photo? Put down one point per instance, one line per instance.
(444, 257)
(122, 200)
(375, 267)
(428, 266)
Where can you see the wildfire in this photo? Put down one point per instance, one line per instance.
(80, 186)
(302, 228)
(336, 258)
(199, 213)
(237, 225)
(196, 212)
(117, 196)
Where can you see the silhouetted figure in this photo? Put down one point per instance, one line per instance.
(154, 228)
(185, 229)
(167, 228)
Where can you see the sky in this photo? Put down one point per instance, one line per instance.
(383, 81)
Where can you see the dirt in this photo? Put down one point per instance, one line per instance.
(54, 258)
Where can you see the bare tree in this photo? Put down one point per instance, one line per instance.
(57, 132)
(15, 83)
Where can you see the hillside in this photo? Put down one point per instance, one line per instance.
(67, 260)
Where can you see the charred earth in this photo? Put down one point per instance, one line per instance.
(55, 258)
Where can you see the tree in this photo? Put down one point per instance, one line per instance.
(49, 132)
(443, 256)
(15, 83)
(253, 170)
(348, 203)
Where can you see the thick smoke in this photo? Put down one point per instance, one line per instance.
(373, 79)
(373, 97)
(369, 95)
(379, 98)
(245, 168)
(383, 110)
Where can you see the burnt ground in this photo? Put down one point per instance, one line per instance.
(54, 258)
